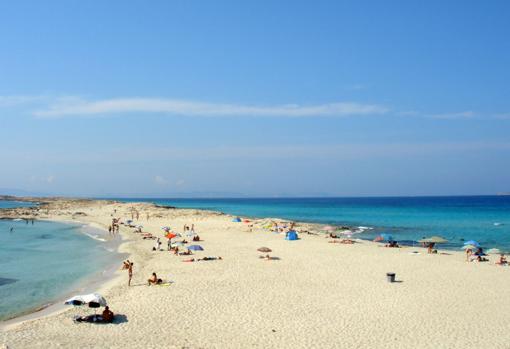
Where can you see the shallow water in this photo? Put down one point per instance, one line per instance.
(42, 262)
(12, 204)
(482, 218)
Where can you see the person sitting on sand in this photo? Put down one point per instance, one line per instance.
(502, 260)
(154, 280)
(107, 315)
(392, 244)
(333, 236)
(176, 250)
(469, 252)
(430, 247)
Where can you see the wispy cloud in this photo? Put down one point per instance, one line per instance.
(160, 180)
(80, 107)
(63, 106)
(452, 116)
(10, 101)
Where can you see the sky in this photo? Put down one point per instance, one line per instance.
(255, 98)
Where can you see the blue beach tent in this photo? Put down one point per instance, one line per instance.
(237, 220)
(291, 235)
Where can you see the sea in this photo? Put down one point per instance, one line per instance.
(485, 219)
(42, 262)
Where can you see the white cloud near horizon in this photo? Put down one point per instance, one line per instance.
(67, 107)
(54, 107)
(452, 116)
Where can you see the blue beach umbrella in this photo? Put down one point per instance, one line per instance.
(472, 242)
(195, 248)
(387, 237)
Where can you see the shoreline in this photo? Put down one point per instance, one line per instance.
(87, 284)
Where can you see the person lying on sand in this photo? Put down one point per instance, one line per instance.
(189, 260)
(106, 317)
(188, 253)
(333, 236)
(154, 280)
(209, 259)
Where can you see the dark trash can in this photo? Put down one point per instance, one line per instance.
(390, 277)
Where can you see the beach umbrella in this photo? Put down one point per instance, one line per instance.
(264, 249)
(472, 242)
(170, 235)
(494, 251)
(386, 237)
(434, 240)
(94, 300)
(468, 247)
(195, 248)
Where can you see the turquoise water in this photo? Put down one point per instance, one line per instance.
(482, 218)
(12, 204)
(42, 262)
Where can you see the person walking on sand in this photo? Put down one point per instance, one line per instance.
(130, 273)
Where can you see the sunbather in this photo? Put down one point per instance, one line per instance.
(209, 259)
(107, 315)
(154, 280)
(502, 260)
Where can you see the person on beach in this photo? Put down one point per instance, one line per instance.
(469, 253)
(130, 273)
(109, 230)
(209, 259)
(107, 315)
(430, 247)
(154, 280)
(127, 265)
(169, 243)
(192, 229)
(148, 216)
(502, 260)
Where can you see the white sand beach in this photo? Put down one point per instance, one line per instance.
(317, 295)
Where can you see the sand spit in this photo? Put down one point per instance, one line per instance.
(317, 295)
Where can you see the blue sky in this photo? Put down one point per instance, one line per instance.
(261, 98)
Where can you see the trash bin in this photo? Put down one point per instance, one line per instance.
(390, 277)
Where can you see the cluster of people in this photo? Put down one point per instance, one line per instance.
(478, 255)
(114, 227)
(106, 317)
(203, 259)
(392, 243)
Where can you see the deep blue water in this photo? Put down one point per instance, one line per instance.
(40, 263)
(483, 218)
